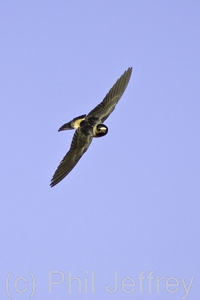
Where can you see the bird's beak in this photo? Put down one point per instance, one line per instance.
(66, 126)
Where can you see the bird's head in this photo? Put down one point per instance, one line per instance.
(101, 130)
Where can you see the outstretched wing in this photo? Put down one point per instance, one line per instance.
(105, 108)
(79, 146)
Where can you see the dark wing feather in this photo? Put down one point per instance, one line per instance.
(105, 108)
(79, 146)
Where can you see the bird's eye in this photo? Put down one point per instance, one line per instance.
(99, 127)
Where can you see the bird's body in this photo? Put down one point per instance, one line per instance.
(89, 126)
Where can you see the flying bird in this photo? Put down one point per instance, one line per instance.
(89, 126)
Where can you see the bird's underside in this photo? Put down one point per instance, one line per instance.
(89, 126)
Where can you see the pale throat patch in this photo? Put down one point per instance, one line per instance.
(95, 131)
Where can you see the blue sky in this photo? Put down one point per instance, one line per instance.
(131, 204)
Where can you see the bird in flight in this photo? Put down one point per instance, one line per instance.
(89, 126)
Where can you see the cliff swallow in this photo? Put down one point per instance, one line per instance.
(89, 126)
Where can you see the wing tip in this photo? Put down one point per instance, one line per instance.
(52, 183)
(129, 70)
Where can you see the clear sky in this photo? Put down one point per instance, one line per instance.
(130, 208)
